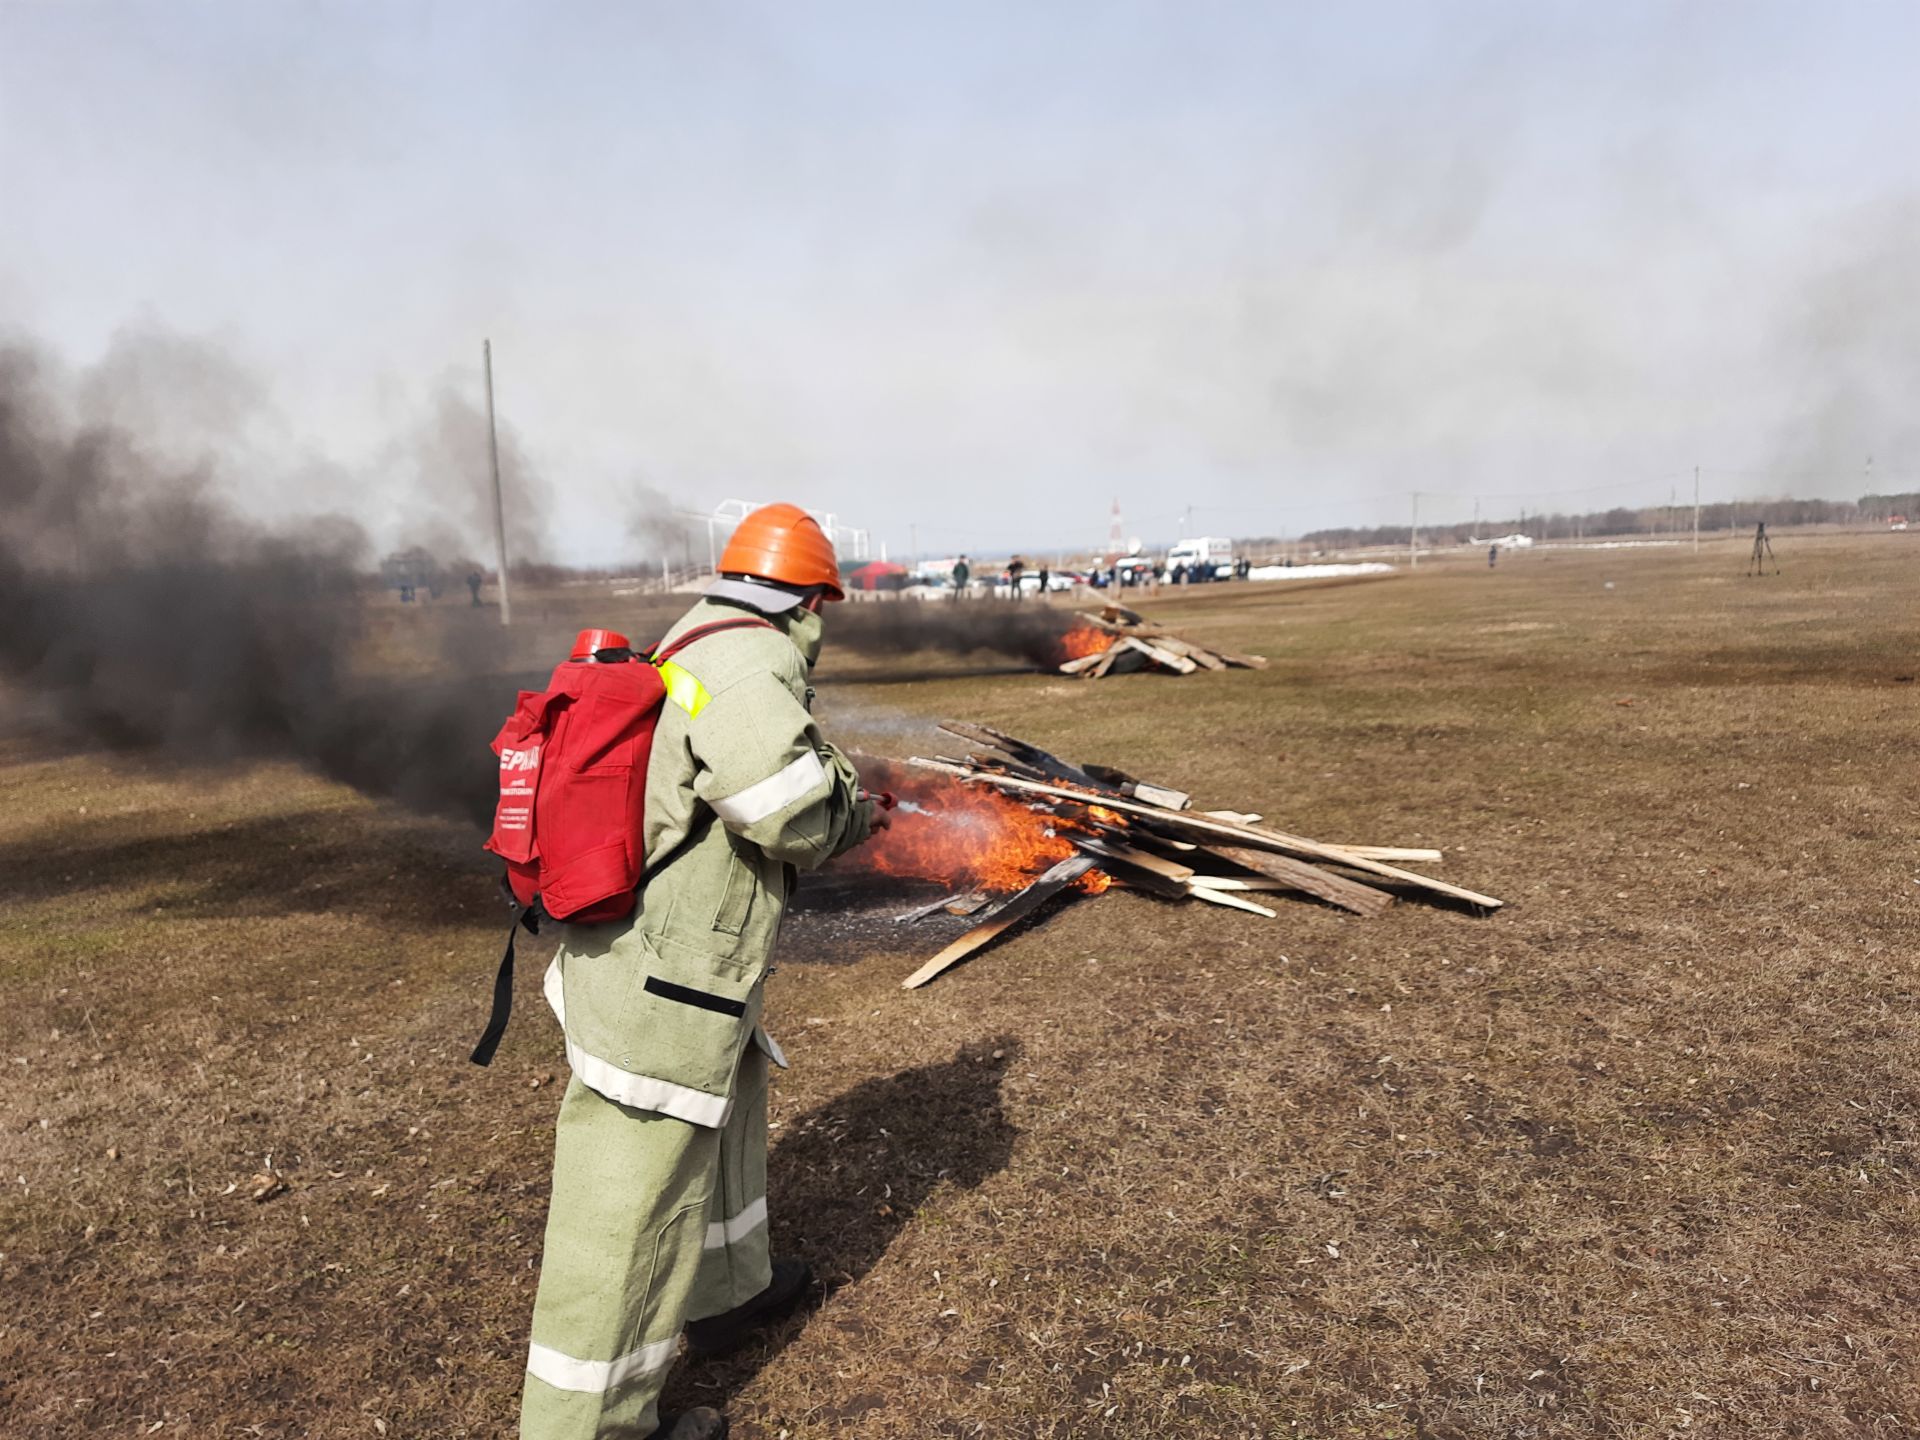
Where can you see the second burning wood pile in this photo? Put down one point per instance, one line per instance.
(1117, 640)
(1149, 837)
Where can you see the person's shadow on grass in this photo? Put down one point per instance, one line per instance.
(846, 1178)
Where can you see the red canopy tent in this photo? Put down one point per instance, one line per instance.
(878, 575)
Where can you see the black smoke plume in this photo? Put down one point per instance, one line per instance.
(143, 614)
(140, 611)
(1030, 632)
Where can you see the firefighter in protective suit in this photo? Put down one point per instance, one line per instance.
(659, 1213)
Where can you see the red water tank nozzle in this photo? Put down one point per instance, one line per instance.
(883, 798)
(593, 645)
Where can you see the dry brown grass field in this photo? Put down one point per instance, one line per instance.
(1633, 1157)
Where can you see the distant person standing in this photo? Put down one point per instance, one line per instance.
(1045, 576)
(1493, 556)
(1016, 568)
(962, 573)
(473, 588)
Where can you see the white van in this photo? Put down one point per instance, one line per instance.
(1207, 550)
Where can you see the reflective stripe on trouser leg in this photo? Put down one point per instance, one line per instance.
(735, 1265)
(625, 1230)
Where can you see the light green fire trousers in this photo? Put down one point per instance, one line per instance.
(655, 1222)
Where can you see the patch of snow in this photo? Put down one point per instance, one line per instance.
(1316, 572)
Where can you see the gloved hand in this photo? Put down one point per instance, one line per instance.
(883, 802)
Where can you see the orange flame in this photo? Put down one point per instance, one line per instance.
(1082, 641)
(967, 835)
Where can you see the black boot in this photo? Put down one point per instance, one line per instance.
(699, 1423)
(720, 1333)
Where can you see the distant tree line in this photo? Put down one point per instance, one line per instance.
(1648, 522)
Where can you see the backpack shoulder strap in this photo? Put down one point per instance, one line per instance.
(527, 919)
(700, 632)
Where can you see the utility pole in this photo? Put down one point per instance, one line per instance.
(499, 511)
(1413, 535)
(1696, 509)
(78, 530)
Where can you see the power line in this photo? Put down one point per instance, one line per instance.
(1473, 495)
(1546, 494)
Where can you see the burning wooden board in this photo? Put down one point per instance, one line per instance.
(1117, 640)
(962, 904)
(1147, 837)
(1002, 917)
(1252, 837)
(1014, 821)
(1037, 764)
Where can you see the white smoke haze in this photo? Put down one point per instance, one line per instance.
(1858, 353)
(656, 530)
(443, 495)
(980, 273)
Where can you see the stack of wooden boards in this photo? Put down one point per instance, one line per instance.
(1150, 838)
(1139, 643)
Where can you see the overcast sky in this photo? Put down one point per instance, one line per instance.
(983, 269)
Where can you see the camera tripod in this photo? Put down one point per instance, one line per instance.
(1762, 553)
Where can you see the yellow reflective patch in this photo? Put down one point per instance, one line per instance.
(685, 691)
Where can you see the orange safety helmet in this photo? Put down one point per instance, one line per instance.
(784, 544)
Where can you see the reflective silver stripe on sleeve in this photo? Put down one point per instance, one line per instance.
(773, 794)
(722, 1233)
(645, 1092)
(596, 1377)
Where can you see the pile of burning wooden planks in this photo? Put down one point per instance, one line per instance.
(1150, 838)
(1117, 640)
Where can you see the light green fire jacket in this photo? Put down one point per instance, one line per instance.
(742, 789)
